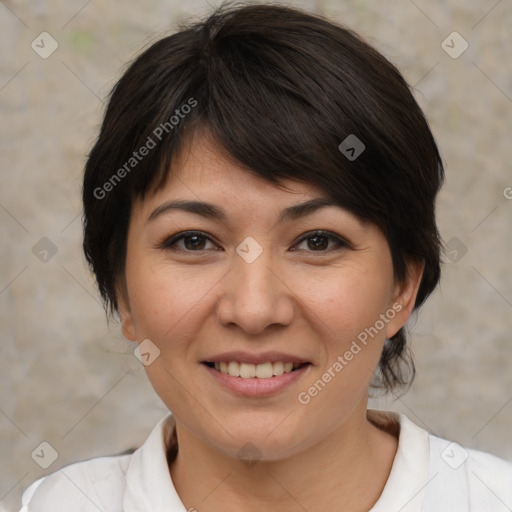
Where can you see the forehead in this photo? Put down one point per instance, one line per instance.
(203, 169)
(203, 161)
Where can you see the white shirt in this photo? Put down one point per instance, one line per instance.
(429, 474)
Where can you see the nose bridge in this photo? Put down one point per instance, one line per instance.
(254, 274)
(254, 297)
(254, 286)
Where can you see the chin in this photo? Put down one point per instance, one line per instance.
(263, 440)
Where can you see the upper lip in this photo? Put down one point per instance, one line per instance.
(253, 358)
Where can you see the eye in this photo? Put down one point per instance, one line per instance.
(320, 241)
(194, 241)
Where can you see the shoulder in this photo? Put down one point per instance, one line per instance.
(92, 485)
(455, 456)
(434, 474)
(109, 483)
(484, 478)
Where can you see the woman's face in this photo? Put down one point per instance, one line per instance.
(256, 288)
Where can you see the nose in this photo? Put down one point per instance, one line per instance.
(255, 295)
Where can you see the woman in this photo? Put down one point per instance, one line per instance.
(259, 209)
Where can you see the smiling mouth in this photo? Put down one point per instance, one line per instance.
(266, 370)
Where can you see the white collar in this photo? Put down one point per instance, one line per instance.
(405, 487)
(149, 485)
(148, 482)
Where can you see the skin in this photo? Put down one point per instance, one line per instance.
(309, 302)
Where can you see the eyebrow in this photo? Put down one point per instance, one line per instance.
(213, 212)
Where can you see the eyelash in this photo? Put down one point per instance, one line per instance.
(170, 242)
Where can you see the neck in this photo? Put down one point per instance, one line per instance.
(347, 470)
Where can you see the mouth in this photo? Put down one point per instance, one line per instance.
(252, 380)
(266, 370)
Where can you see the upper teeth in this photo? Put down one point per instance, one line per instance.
(247, 370)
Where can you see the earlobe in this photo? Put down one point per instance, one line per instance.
(405, 297)
(125, 316)
(127, 327)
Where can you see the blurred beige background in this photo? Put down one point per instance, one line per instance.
(71, 380)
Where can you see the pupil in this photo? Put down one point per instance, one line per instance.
(316, 245)
(194, 245)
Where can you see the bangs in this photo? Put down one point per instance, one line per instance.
(275, 105)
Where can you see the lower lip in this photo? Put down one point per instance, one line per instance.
(255, 387)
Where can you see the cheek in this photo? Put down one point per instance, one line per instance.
(343, 308)
(349, 301)
(347, 313)
(164, 299)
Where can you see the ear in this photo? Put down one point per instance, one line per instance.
(405, 297)
(123, 308)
